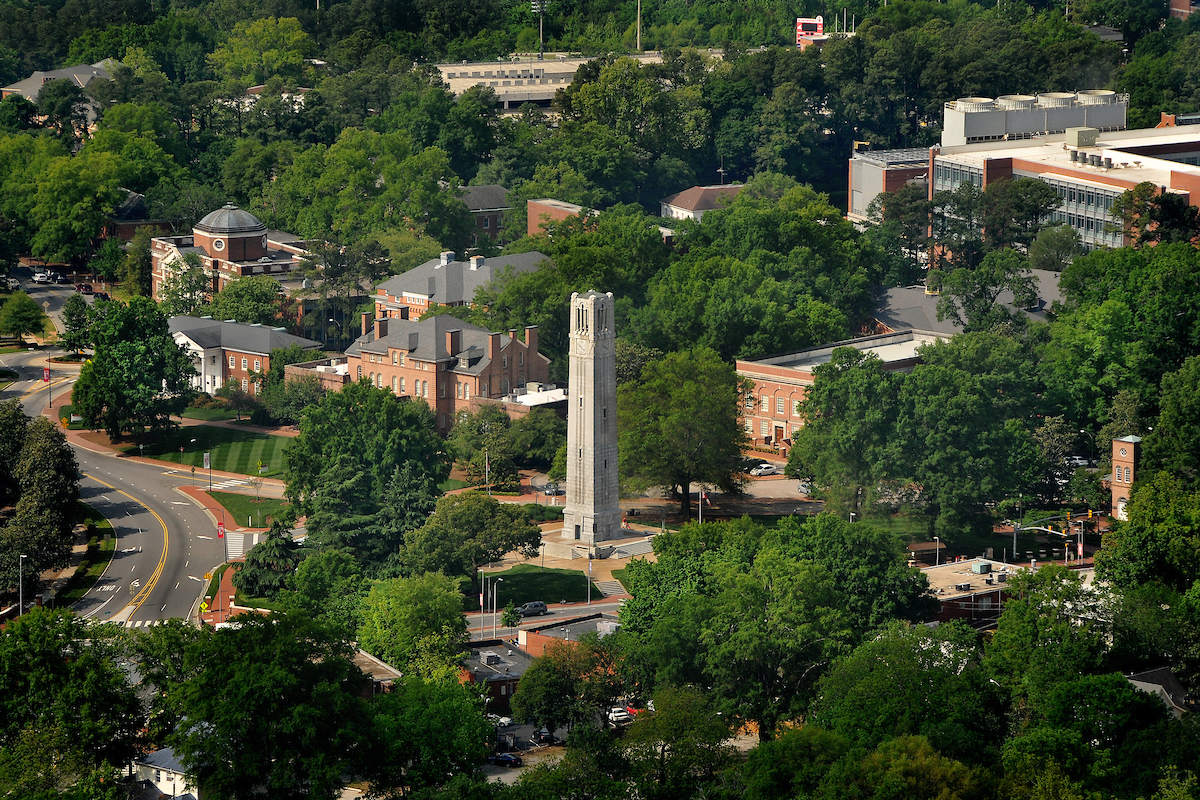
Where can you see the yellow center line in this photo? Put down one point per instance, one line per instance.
(141, 596)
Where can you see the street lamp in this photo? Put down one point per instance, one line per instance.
(194, 470)
(1095, 449)
(21, 583)
(495, 594)
(937, 551)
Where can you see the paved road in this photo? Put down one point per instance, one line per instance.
(165, 543)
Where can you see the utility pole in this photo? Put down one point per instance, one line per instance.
(639, 26)
(21, 582)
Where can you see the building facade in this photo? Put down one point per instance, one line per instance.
(693, 203)
(447, 363)
(772, 411)
(487, 205)
(593, 512)
(231, 351)
(1126, 453)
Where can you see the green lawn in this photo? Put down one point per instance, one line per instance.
(214, 583)
(450, 484)
(99, 554)
(241, 506)
(526, 582)
(10, 348)
(206, 414)
(7, 376)
(232, 450)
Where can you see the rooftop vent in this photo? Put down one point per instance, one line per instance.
(1055, 99)
(1096, 97)
(1016, 102)
(971, 104)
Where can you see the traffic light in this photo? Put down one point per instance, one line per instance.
(1068, 517)
(1089, 513)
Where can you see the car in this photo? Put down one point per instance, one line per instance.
(499, 721)
(12, 283)
(60, 278)
(552, 490)
(534, 608)
(41, 277)
(83, 288)
(764, 469)
(505, 760)
(541, 736)
(1076, 461)
(101, 296)
(619, 716)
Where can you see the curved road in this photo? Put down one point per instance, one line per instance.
(165, 543)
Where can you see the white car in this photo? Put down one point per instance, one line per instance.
(41, 277)
(499, 721)
(12, 283)
(619, 716)
(764, 469)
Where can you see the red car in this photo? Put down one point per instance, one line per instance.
(84, 288)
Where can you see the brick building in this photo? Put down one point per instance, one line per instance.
(448, 363)
(230, 351)
(772, 413)
(1126, 453)
(446, 281)
(487, 205)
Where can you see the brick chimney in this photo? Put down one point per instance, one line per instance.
(366, 325)
(453, 342)
(531, 339)
(381, 328)
(493, 346)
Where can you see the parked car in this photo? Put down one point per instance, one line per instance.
(499, 721)
(764, 469)
(534, 608)
(12, 283)
(83, 288)
(505, 759)
(552, 490)
(619, 716)
(41, 277)
(542, 736)
(101, 296)
(59, 277)
(1077, 461)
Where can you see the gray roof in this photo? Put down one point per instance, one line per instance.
(486, 198)
(161, 759)
(456, 283)
(80, 75)
(230, 219)
(909, 308)
(425, 340)
(208, 333)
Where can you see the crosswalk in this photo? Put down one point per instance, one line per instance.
(237, 543)
(147, 623)
(229, 484)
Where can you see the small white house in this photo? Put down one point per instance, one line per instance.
(162, 770)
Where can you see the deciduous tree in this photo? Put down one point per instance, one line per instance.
(412, 623)
(469, 530)
(21, 316)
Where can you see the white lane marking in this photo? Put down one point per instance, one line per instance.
(179, 503)
(193, 577)
(203, 537)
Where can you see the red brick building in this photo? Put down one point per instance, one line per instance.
(445, 281)
(231, 351)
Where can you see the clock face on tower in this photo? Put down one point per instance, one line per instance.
(1124, 452)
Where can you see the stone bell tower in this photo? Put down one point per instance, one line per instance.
(592, 513)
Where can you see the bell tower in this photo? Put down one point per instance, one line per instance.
(593, 512)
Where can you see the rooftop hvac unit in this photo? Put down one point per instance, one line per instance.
(962, 587)
(1055, 99)
(1016, 102)
(489, 657)
(1002, 577)
(1096, 97)
(969, 104)
(1082, 137)
(981, 568)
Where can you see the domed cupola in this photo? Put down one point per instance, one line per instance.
(231, 234)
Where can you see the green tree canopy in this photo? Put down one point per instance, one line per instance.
(468, 530)
(413, 623)
(21, 316)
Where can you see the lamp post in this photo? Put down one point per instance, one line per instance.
(937, 551)
(1095, 450)
(21, 584)
(495, 595)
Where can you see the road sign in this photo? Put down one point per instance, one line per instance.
(220, 530)
(46, 304)
(206, 462)
(46, 374)
(204, 606)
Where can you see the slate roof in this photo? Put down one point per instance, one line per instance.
(80, 74)
(491, 197)
(230, 219)
(209, 333)
(909, 308)
(704, 198)
(456, 283)
(161, 759)
(425, 340)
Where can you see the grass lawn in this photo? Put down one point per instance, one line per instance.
(232, 450)
(450, 484)
(98, 556)
(207, 414)
(215, 583)
(526, 582)
(10, 348)
(242, 506)
(7, 376)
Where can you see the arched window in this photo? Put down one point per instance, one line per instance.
(504, 386)
(395, 384)
(402, 386)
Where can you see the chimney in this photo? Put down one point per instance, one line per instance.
(493, 346)
(381, 328)
(404, 312)
(453, 342)
(446, 257)
(365, 325)
(476, 262)
(414, 339)
(531, 340)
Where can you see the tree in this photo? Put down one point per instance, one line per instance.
(75, 194)
(136, 270)
(14, 425)
(108, 261)
(1173, 446)
(64, 105)
(1054, 248)
(21, 316)
(1160, 542)
(481, 443)
(250, 299)
(849, 412)
(76, 333)
(469, 530)
(138, 376)
(17, 114)
(1149, 218)
(904, 214)
(537, 437)
(261, 49)
(678, 747)
(407, 621)
(329, 585)
(680, 424)
(275, 707)
(968, 296)
(571, 683)
(186, 288)
(269, 564)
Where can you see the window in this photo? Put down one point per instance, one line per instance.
(443, 421)
(749, 425)
(214, 360)
(766, 404)
(765, 428)
(245, 364)
(483, 390)
(505, 386)
(487, 222)
(795, 430)
(402, 386)
(520, 359)
(466, 391)
(257, 365)
(360, 372)
(395, 384)
(232, 363)
(395, 357)
(379, 380)
(796, 409)
(779, 401)
(245, 384)
(402, 359)
(504, 362)
(1127, 474)
(424, 388)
